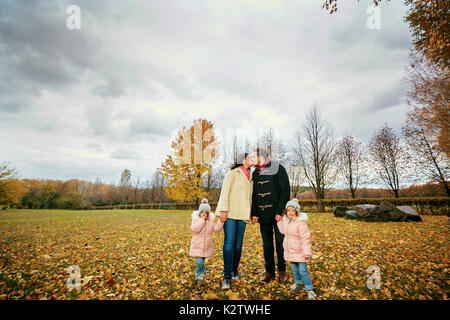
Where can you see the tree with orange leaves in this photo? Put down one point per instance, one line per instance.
(11, 188)
(194, 151)
(427, 127)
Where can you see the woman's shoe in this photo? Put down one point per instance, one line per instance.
(295, 288)
(226, 284)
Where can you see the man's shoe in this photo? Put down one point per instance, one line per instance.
(236, 275)
(282, 277)
(266, 277)
(226, 284)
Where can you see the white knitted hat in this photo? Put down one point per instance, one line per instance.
(294, 203)
(204, 206)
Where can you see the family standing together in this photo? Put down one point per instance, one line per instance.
(260, 197)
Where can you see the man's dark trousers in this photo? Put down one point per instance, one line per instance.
(267, 231)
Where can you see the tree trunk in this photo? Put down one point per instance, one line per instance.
(396, 193)
(320, 205)
(447, 188)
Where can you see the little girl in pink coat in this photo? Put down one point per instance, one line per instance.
(202, 244)
(297, 245)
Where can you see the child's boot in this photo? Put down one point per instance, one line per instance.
(201, 279)
(311, 295)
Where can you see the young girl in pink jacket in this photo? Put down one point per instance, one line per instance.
(297, 245)
(202, 244)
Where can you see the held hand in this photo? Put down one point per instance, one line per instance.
(223, 216)
(278, 217)
(254, 220)
(308, 258)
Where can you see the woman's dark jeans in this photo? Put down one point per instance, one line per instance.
(232, 245)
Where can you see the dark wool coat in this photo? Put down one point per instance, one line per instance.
(271, 192)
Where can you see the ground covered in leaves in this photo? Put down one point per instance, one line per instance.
(144, 254)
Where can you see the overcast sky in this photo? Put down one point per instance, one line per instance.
(87, 103)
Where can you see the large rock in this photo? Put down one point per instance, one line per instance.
(386, 211)
(351, 214)
(411, 214)
(339, 211)
(364, 211)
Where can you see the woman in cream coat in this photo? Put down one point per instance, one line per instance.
(234, 205)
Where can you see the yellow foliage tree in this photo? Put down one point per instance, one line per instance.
(194, 151)
(11, 189)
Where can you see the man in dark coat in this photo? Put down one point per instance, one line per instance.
(271, 192)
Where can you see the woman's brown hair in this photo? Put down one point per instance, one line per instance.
(239, 161)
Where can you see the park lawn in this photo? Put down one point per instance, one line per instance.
(144, 254)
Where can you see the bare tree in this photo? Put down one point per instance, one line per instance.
(351, 163)
(236, 148)
(113, 195)
(124, 185)
(157, 187)
(276, 149)
(315, 153)
(390, 158)
(294, 171)
(135, 191)
(146, 193)
(161, 190)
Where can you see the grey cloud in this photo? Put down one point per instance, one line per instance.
(125, 154)
(386, 98)
(38, 52)
(281, 60)
(98, 119)
(95, 146)
(57, 169)
(396, 38)
(149, 125)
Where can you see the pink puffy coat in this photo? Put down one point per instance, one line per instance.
(202, 244)
(297, 238)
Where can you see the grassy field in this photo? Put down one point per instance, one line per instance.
(144, 254)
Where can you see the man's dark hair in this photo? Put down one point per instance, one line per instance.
(261, 151)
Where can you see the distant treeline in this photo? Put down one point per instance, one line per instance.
(77, 194)
(423, 205)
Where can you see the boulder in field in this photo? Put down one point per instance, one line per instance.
(386, 211)
(351, 214)
(364, 210)
(340, 211)
(411, 214)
